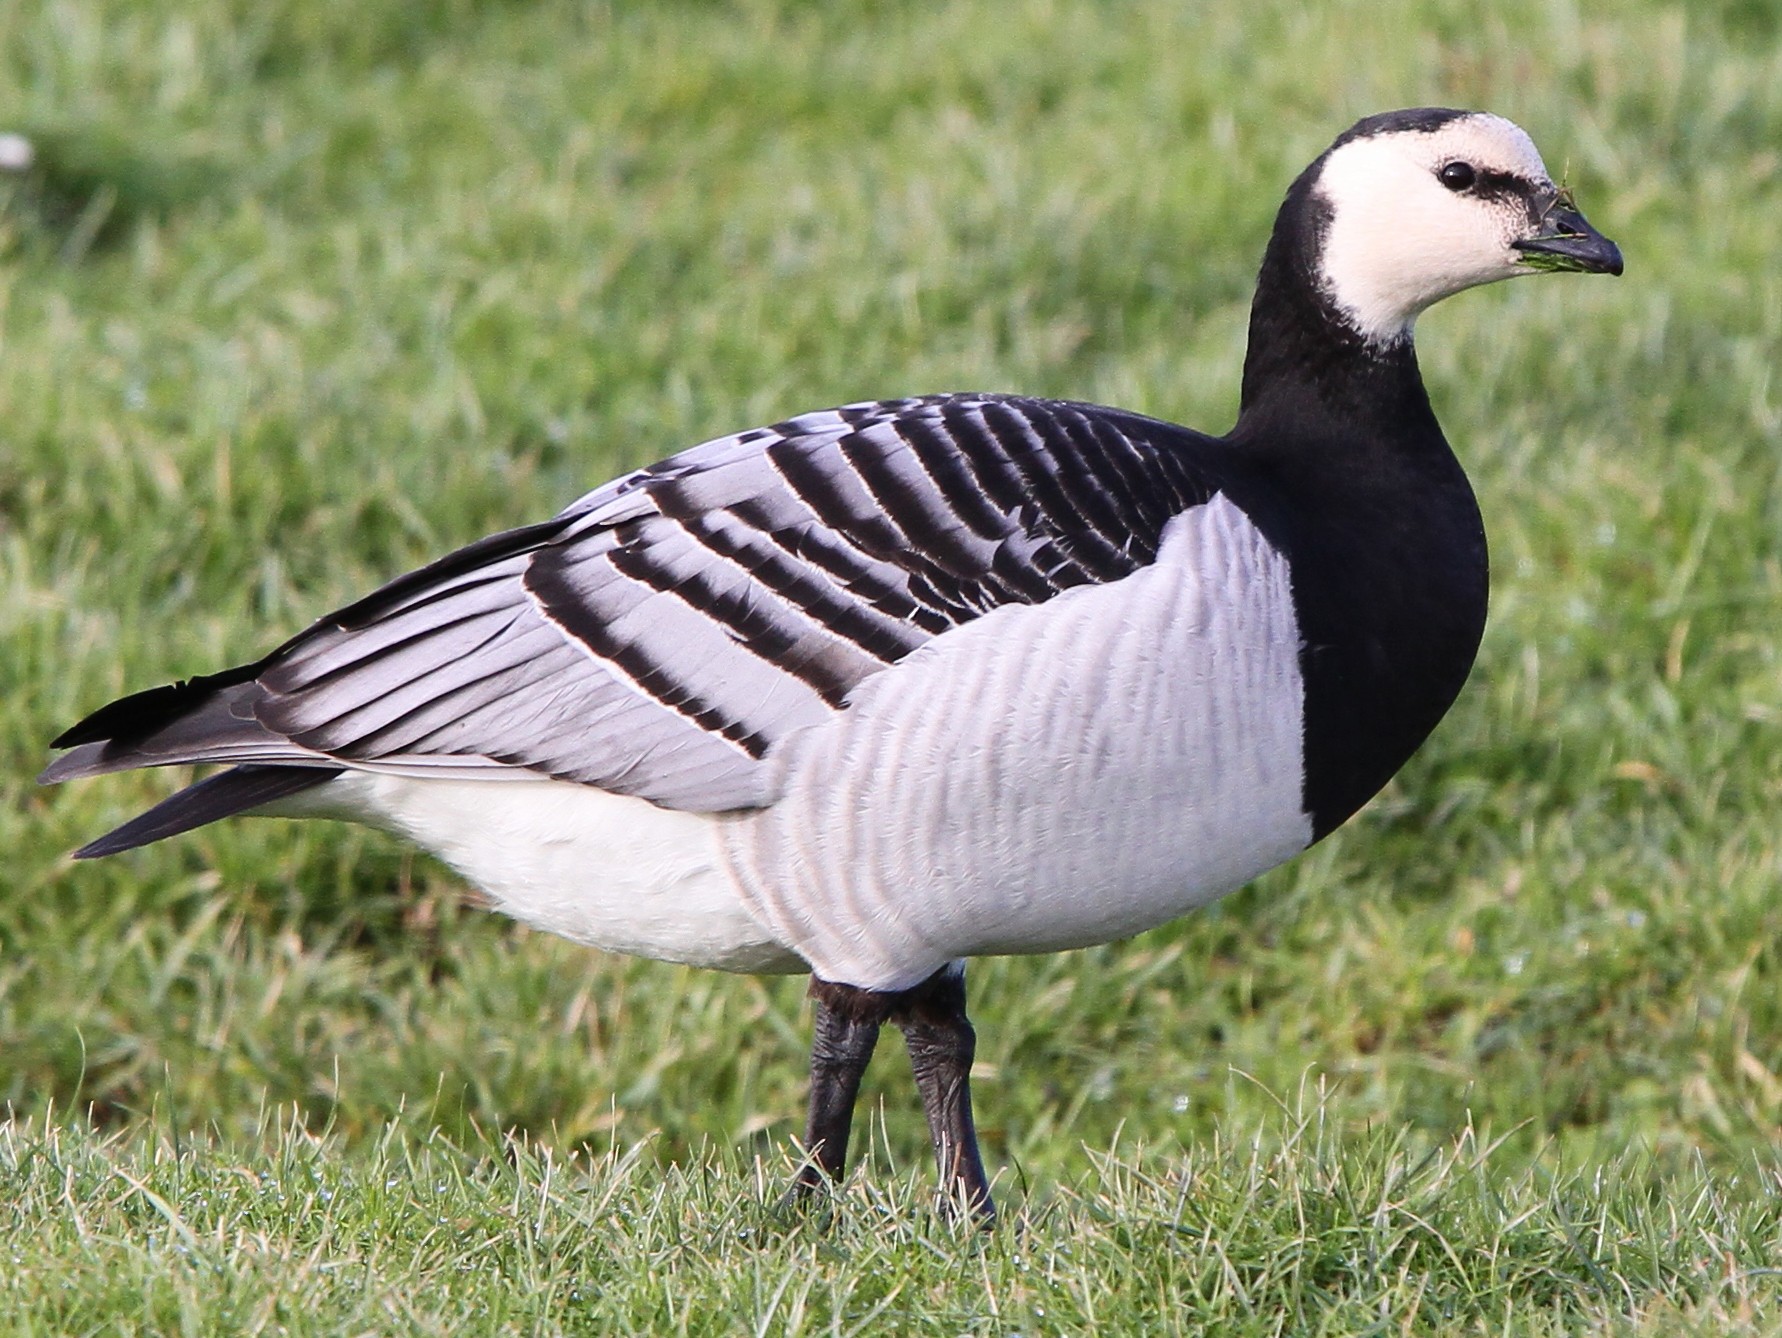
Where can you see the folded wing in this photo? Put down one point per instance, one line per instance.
(660, 635)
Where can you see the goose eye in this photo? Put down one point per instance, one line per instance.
(1457, 176)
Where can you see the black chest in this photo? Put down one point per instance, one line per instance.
(1389, 573)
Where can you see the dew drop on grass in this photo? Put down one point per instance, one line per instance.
(16, 153)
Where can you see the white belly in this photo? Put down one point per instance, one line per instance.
(603, 869)
(1047, 777)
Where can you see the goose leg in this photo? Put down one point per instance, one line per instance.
(941, 1043)
(847, 1029)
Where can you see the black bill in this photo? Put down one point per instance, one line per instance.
(1567, 241)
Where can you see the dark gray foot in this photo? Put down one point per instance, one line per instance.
(941, 1044)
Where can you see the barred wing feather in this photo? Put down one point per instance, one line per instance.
(662, 633)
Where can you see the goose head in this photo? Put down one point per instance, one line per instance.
(1409, 207)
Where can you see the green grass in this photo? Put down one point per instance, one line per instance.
(1304, 1230)
(299, 295)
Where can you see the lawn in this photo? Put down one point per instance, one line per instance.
(299, 295)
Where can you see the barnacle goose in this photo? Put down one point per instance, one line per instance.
(877, 689)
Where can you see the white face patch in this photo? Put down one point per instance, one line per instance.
(1399, 240)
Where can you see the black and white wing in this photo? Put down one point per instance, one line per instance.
(661, 634)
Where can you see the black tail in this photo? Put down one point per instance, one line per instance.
(218, 796)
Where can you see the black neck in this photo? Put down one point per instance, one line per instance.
(1307, 368)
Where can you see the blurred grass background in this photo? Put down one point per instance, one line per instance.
(298, 295)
